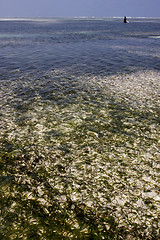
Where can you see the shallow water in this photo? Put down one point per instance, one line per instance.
(79, 137)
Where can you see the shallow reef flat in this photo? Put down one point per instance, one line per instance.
(79, 156)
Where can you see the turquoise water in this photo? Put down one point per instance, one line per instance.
(79, 129)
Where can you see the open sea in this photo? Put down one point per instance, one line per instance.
(79, 128)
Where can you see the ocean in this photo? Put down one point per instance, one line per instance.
(79, 128)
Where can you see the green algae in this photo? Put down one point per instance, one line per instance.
(81, 160)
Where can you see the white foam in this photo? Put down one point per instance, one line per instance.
(154, 36)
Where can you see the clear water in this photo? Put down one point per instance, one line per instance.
(79, 128)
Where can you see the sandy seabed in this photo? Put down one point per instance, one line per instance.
(80, 157)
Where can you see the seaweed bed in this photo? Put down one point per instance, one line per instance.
(79, 156)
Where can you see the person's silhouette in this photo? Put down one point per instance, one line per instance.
(125, 19)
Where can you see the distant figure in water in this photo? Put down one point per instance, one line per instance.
(125, 19)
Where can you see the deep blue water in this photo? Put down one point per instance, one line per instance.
(93, 46)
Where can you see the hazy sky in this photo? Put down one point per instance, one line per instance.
(73, 8)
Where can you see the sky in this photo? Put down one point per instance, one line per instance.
(79, 8)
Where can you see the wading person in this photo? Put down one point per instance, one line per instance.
(125, 19)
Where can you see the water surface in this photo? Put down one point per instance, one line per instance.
(79, 128)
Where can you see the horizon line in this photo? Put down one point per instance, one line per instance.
(70, 17)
